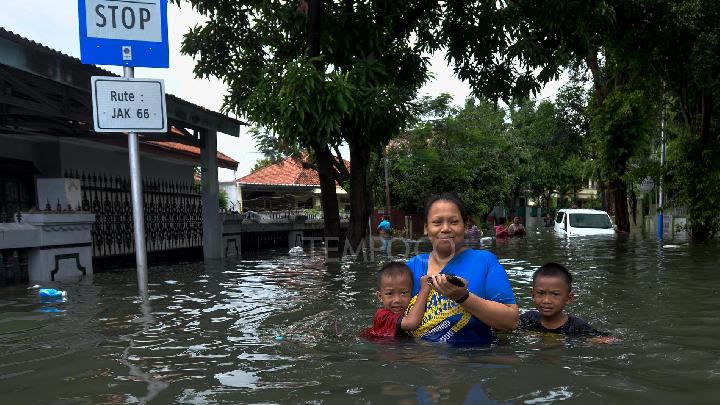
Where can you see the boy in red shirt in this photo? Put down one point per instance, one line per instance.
(395, 285)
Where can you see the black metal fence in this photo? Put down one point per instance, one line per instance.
(13, 266)
(173, 214)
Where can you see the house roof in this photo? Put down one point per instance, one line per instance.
(28, 59)
(224, 160)
(34, 58)
(289, 172)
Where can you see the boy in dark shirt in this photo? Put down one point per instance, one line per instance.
(394, 289)
(551, 292)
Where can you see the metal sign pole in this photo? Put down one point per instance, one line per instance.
(661, 196)
(137, 201)
(388, 207)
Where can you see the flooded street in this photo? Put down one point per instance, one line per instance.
(279, 329)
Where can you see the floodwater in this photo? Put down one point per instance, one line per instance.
(279, 329)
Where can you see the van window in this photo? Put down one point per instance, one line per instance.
(559, 217)
(601, 221)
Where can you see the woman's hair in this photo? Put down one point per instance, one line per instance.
(393, 269)
(502, 221)
(449, 197)
(551, 269)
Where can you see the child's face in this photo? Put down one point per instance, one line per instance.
(550, 295)
(395, 292)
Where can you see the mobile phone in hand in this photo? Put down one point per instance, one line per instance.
(452, 279)
(455, 280)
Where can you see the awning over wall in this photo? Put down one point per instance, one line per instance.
(44, 91)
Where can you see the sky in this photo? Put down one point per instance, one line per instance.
(54, 23)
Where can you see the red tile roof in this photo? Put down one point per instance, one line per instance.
(224, 160)
(168, 148)
(289, 172)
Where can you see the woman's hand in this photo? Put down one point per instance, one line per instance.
(441, 284)
(424, 284)
(494, 314)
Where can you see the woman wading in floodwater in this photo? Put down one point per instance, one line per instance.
(460, 314)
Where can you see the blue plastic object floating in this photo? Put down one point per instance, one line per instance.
(279, 337)
(52, 295)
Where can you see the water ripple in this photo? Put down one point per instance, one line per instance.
(279, 329)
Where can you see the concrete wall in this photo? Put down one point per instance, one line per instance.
(59, 244)
(53, 156)
(233, 192)
(89, 158)
(16, 148)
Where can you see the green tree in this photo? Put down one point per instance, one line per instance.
(319, 72)
(462, 153)
(548, 152)
(647, 48)
(623, 117)
(224, 199)
(684, 57)
(272, 148)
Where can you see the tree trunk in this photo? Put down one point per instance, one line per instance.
(328, 198)
(360, 194)
(603, 191)
(323, 155)
(697, 115)
(316, 8)
(618, 191)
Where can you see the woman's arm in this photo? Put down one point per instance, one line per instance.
(494, 314)
(412, 320)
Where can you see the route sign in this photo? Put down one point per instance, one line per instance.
(128, 105)
(646, 185)
(124, 32)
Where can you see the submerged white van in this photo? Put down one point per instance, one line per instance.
(583, 222)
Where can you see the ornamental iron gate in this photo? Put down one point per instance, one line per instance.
(13, 266)
(173, 214)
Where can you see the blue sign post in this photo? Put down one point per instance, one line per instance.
(127, 33)
(130, 33)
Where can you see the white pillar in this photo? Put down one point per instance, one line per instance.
(212, 226)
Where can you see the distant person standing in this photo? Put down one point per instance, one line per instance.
(549, 221)
(516, 228)
(500, 229)
(384, 227)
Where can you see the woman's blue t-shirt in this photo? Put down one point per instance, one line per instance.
(447, 321)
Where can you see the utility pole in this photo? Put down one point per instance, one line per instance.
(387, 186)
(661, 196)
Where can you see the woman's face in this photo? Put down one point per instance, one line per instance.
(445, 227)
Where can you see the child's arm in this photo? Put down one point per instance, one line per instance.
(593, 335)
(603, 340)
(412, 320)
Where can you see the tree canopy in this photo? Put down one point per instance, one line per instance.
(320, 72)
(488, 155)
(317, 73)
